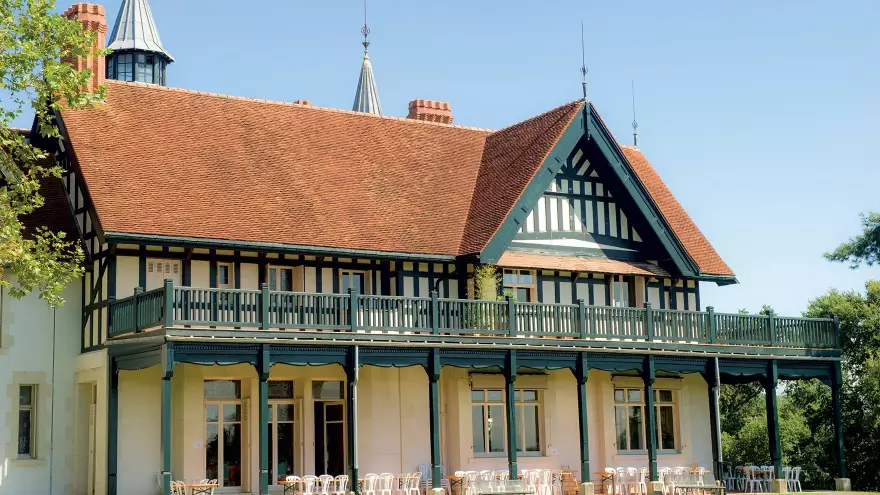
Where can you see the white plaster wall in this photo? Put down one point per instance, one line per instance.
(139, 427)
(127, 275)
(200, 273)
(27, 329)
(250, 276)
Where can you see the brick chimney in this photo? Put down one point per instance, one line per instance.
(430, 110)
(93, 18)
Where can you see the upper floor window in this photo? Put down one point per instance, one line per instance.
(27, 426)
(522, 283)
(623, 291)
(145, 67)
(353, 279)
(125, 67)
(280, 278)
(224, 275)
(629, 419)
(488, 419)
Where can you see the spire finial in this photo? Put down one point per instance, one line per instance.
(583, 62)
(365, 30)
(635, 122)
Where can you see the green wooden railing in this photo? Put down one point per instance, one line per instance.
(263, 309)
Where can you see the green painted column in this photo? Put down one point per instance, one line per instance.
(648, 375)
(352, 371)
(434, 405)
(509, 396)
(112, 424)
(581, 374)
(715, 417)
(773, 418)
(836, 385)
(167, 372)
(263, 371)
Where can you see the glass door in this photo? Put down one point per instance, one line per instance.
(282, 430)
(223, 432)
(330, 437)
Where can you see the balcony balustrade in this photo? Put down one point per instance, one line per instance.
(175, 306)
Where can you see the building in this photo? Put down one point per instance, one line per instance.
(275, 288)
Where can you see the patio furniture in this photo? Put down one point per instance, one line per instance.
(793, 479)
(371, 484)
(341, 485)
(290, 484)
(386, 484)
(501, 487)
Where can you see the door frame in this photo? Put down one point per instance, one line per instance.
(344, 403)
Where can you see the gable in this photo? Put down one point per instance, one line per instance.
(578, 214)
(648, 222)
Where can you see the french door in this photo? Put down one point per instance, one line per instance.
(224, 455)
(282, 439)
(330, 437)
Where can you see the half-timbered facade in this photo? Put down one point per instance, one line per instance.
(274, 288)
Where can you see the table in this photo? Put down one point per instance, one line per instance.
(289, 487)
(690, 489)
(605, 476)
(202, 488)
(455, 483)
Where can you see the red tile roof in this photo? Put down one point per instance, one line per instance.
(685, 229)
(175, 162)
(515, 259)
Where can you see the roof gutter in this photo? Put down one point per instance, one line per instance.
(721, 280)
(198, 242)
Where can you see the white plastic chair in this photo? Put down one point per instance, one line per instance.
(386, 484)
(503, 474)
(325, 484)
(341, 485)
(486, 475)
(753, 483)
(310, 483)
(371, 484)
(412, 484)
(795, 484)
(469, 478)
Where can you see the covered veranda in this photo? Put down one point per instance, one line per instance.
(352, 360)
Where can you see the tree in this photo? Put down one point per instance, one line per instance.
(864, 248)
(34, 42)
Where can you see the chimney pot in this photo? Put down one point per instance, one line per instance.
(93, 18)
(430, 110)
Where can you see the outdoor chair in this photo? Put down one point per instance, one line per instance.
(341, 485)
(309, 485)
(386, 484)
(325, 484)
(794, 481)
(371, 484)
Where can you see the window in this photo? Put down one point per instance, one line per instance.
(489, 422)
(353, 280)
(144, 68)
(629, 413)
(623, 291)
(223, 432)
(224, 275)
(323, 389)
(27, 422)
(158, 270)
(521, 283)
(280, 278)
(111, 68)
(125, 67)
(282, 412)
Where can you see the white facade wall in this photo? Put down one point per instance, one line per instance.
(30, 333)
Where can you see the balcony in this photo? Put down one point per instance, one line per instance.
(237, 313)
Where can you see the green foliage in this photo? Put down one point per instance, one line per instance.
(33, 42)
(863, 248)
(486, 280)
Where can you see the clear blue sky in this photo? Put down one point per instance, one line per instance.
(762, 117)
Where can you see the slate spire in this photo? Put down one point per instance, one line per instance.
(138, 54)
(366, 99)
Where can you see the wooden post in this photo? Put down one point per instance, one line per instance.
(265, 298)
(352, 371)
(353, 309)
(836, 406)
(649, 322)
(771, 325)
(511, 316)
(772, 380)
(582, 319)
(137, 292)
(715, 417)
(434, 407)
(648, 375)
(510, 391)
(581, 374)
(435, 313)
(836, 325)
(263, 365)
(169, 303)
(713, 328)
(165, 415)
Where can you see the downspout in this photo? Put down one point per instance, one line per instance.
(52, 401)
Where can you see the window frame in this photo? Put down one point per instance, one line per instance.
(615, 281)
(515, 285)
(230, 272)
(519, 403)
(673, 404)
(32, 433)
(277, 281)
(348, 272)
(273, 430)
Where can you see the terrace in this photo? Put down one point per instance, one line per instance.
(353, 317)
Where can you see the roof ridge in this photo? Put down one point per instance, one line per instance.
(534, 117)
(295, 104)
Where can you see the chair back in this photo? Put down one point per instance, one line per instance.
(796, 473)
(413, 483)
(371, 482)
(425, 469)
(486, 475)
(472, 475)
(309, 483)
(386, 481)
(461, 473)
(340, 484)
(325, 484)
(503, 474)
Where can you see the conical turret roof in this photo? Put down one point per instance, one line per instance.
(366, 99)
(135, 29)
